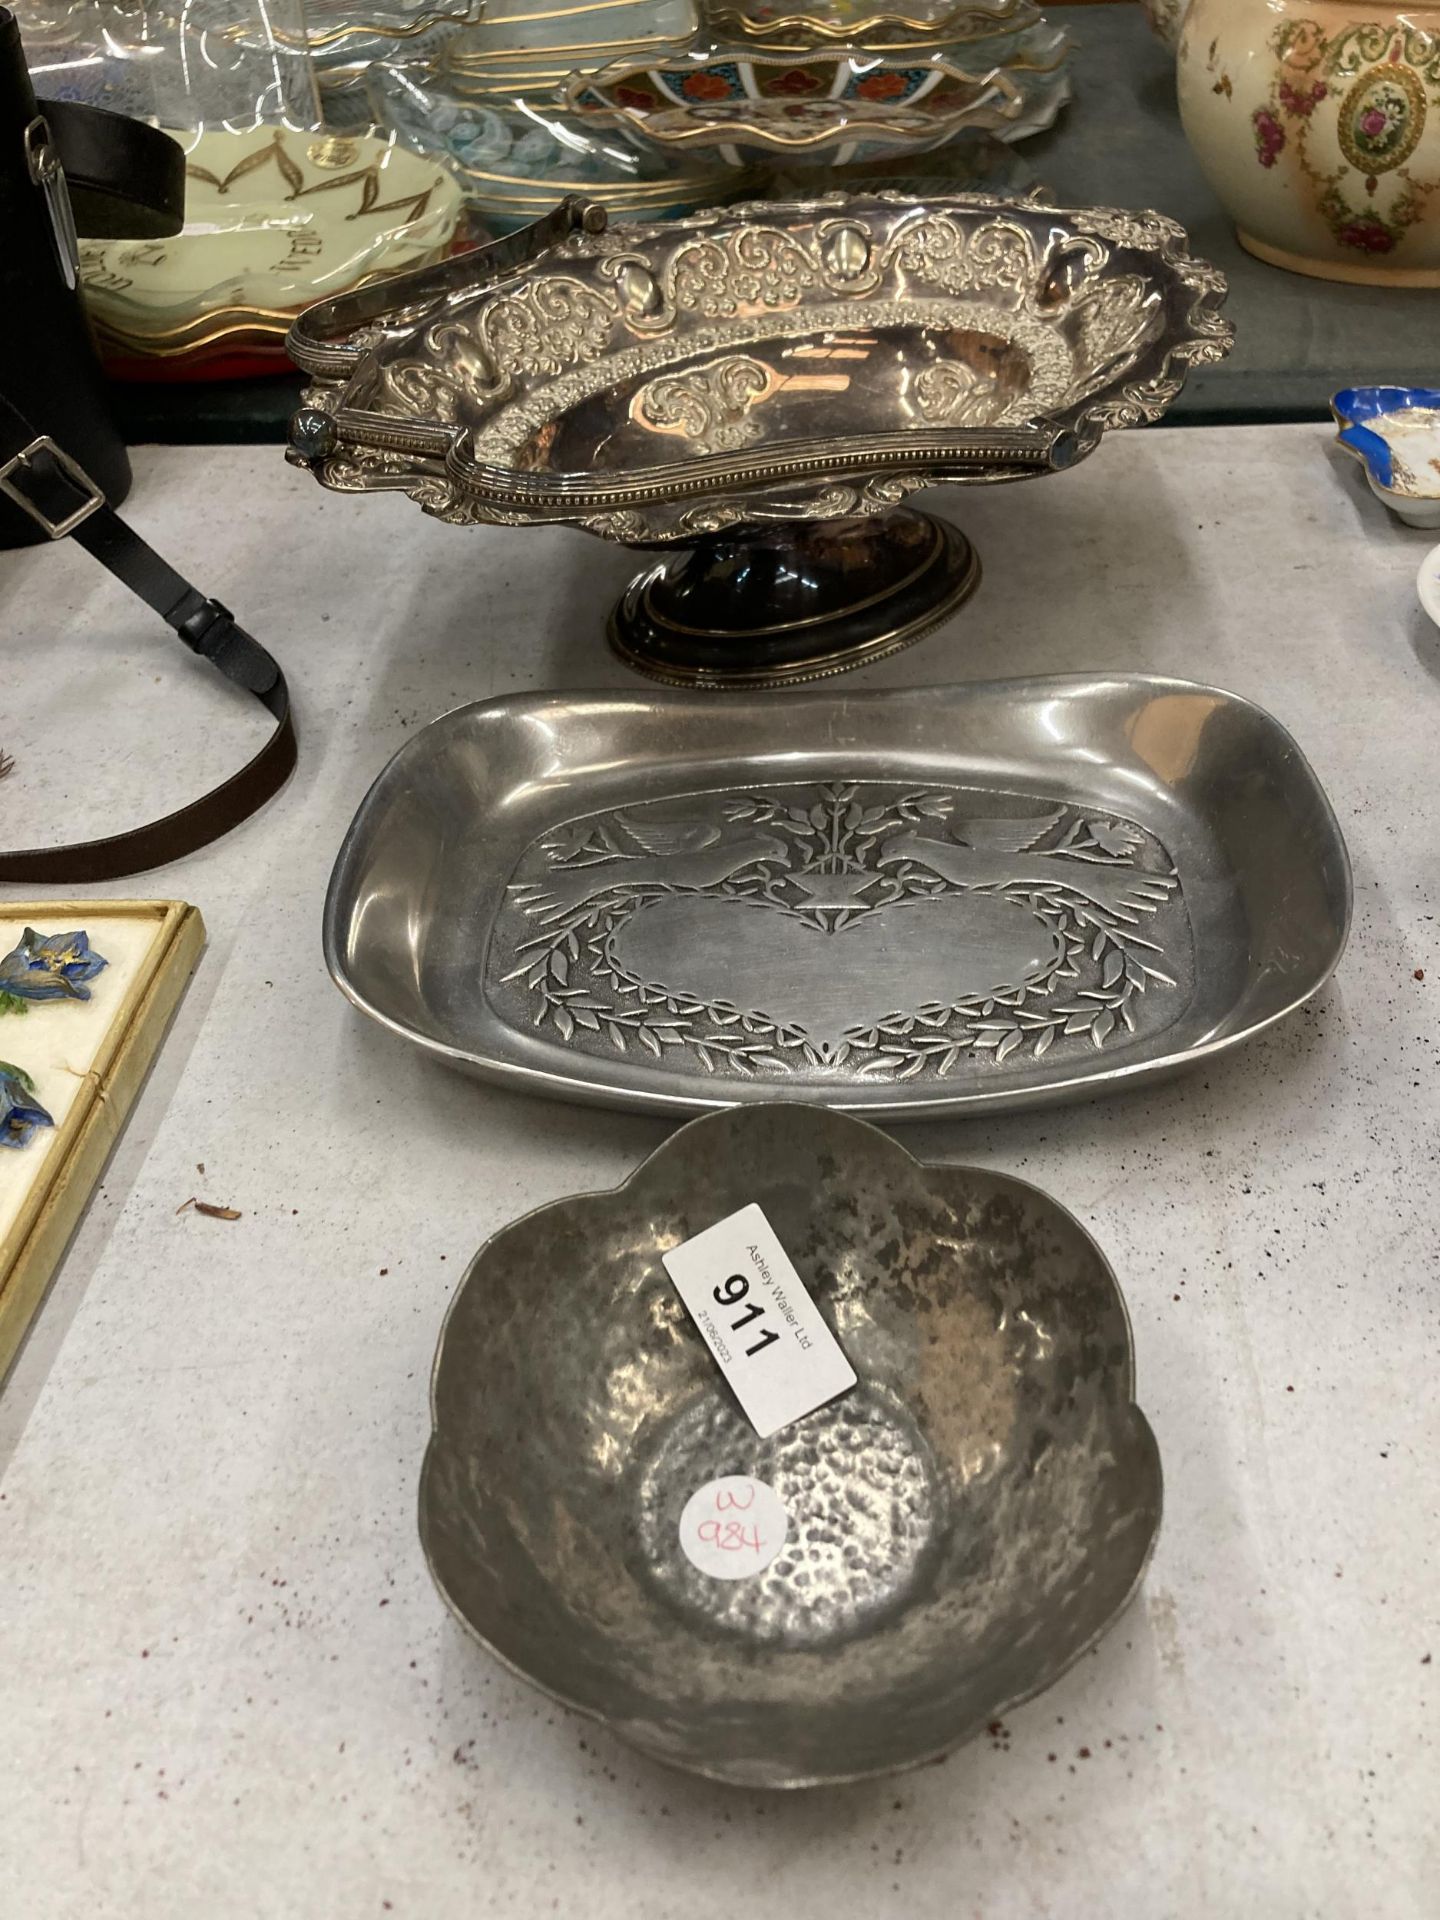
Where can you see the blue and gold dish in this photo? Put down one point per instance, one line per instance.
(1395, 434)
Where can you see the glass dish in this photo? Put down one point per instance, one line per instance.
(513, 154)
(799, 25)
(748, 105)
(231, 64)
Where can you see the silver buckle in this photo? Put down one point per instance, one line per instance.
(56, 529)
(47, 173)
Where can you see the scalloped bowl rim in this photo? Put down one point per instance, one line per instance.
(1141, 1431)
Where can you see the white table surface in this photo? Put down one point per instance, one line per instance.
(227, 1685)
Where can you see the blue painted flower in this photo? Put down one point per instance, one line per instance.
(21, 1114)
(48, 969)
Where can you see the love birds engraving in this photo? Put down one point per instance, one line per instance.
(853, 930)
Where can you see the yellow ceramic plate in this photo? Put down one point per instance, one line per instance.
(275, 219)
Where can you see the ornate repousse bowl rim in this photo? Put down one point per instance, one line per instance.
(437, 464)
(842, 1137)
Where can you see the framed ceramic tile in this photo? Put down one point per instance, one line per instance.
(87, 989)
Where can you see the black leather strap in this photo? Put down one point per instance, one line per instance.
(126, 179)
(56, 492)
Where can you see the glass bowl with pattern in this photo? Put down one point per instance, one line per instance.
(747, 106)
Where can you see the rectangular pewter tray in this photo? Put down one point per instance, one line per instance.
(903, 904)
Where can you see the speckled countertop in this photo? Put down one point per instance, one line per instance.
(227, 1686)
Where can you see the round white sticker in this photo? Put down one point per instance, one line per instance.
(733, 1527)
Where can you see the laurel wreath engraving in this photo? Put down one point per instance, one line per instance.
(1102, 963)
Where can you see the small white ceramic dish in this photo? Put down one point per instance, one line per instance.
(1427, 584)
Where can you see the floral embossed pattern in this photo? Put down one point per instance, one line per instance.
(709, 408)
(860, 318)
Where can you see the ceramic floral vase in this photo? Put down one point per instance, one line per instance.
(1317, 122)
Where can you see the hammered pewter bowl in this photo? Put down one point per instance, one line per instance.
(761, 385)
(962, 1524)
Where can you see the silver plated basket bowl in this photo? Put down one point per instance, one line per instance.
(761, 387)
(962, 1524)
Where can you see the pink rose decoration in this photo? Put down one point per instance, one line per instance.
(1269, 136)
